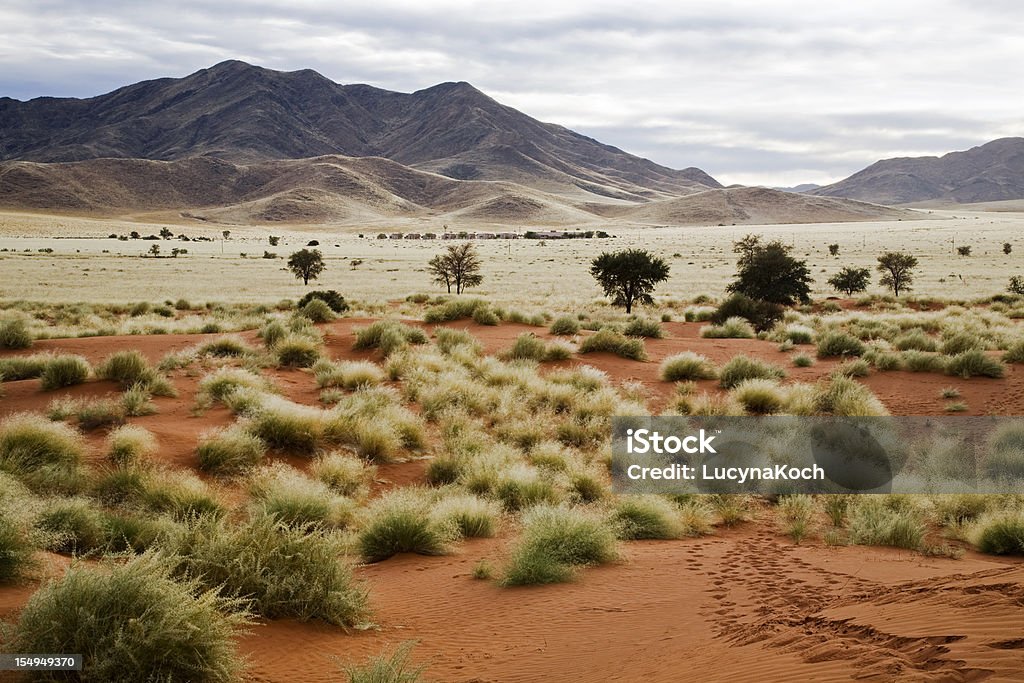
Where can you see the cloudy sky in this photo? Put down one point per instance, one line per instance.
(774, 93)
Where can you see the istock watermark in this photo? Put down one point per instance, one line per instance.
(787, 454)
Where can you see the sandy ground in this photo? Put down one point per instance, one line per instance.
(744, 604)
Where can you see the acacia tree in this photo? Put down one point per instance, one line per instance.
(850, 280)
(458, 267)
(629, 276)
(897, 270)
(306, 264)
(767, 272)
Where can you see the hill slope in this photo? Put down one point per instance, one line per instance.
(991, 172)
(244, 114)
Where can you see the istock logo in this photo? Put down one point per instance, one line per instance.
(642, 441)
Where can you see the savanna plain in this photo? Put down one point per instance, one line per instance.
(371, 479)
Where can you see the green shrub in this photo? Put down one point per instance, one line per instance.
(394, 668)
(448, 340)
(1001, 534)
(1015, 352)
(180, 494)
(228, 346)
(132, 622)
(218, 385)
(471, 516)
(873, 523)
(639, 517)
(135, 401)
(290, 496)
(229, 451)
(335, 301)
(273, 332)
(732, 328)
(14, 334)
(345, 474)
(915, 340)
(400, 522)
(388, 336)
(759, 396)
(456, 309)
(16, 368)
(687, 366)
(798, 334)
(317, 311)
(959, 342)
(975, 363)
(741, 368)
(16, 549)
(554, 541)
(64, 371)
(130, 445)
(1004, 458)
(99, 412)
(527, 346)
(274, 569)
(802, 360)
(485, 315)
(761, 314)
(43, 454)
(846, 397)
(641, 327)
(918, 361)
(612, 341)
(565, 326)
(853, 368)
(288, 426)
(74, 525)
(127, 368)
(296, 351)
(839, 344)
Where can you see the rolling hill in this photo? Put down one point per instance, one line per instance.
(988, 173)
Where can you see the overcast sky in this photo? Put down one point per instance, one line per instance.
(774, 93)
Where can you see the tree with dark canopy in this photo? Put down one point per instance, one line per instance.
(459, 266)
(306, 264)
(767, 272)
(629, 276)
(897, 270)
(850, 280)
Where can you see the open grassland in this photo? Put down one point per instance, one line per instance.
(304, 492)
(519, 272)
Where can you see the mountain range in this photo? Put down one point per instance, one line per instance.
(238, 143)
(988, 173)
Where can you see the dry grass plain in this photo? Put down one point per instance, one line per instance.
(438, 473)
(519, 272)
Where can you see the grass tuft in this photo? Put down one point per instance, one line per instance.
(556, 540)
(613, 341)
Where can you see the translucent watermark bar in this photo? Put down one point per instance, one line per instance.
(791, 454)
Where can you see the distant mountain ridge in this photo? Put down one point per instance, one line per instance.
(245, 114)
(987, 173)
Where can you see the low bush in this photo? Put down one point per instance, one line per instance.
(230, 450)
(335, 301)
(846, 397)
(16, 549)
(64, 371)
(388, 336)
(612, 341)
(317, 311)
(919, 361)
(556, 540)
(273, 569)
(448, 340)
(133, 622)
(130, 445)
(798, 334)
(873, 523)
(181, 495)
(14, 334)
(1000, 534)
(99, 412)
(759, 396)
(471, 516)
(915, 339)
(288, 426)
(731, 328)
(400, 522)
(347, 374)
(73, 525)
(44, 455)
(959, 342)
(296, 351)
(565, 326)
(228, 346)
(287, 494)
(16, 368)
(975, 363)
(394, 668)
(741, 368)
(345, 474)
(530, 347)
(218, 385)
(485, 315)
(802, 360)
(761, 314)
(853, 368)
(135, 401)
(127, 368)
(687, 366)
(835, 343)
(456, 309)
(639, 517)
(642, 327)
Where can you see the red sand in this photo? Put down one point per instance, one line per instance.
(744, 604)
